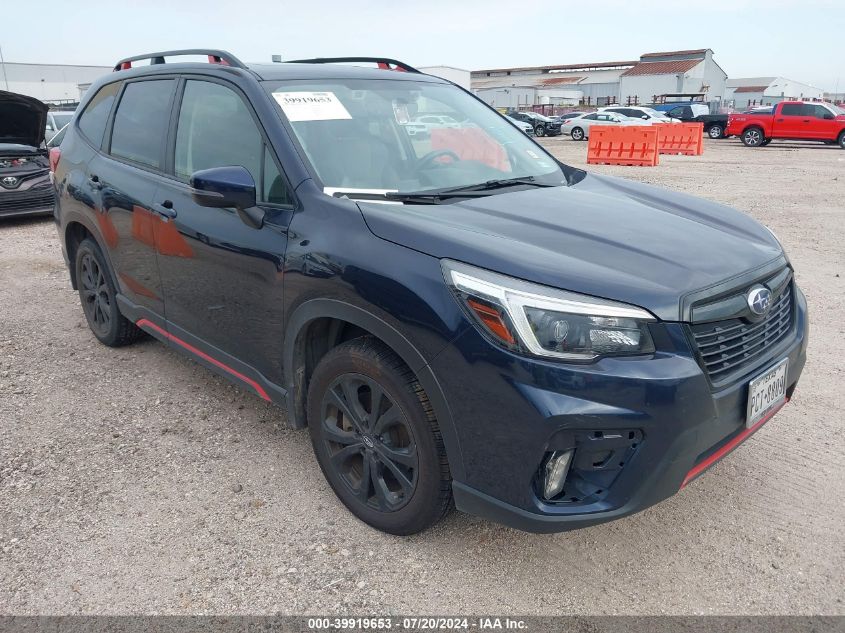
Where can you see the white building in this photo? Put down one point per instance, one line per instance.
(449, 73)
(49, 82)
(657, 75)
(567, 84)
(654, 75)
(751, 91)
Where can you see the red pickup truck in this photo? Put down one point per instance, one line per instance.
(794, 120)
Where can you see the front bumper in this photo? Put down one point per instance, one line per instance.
(671, 423)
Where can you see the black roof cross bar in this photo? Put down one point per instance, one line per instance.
(382, 62)
(214, 57)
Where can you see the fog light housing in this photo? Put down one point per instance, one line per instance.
(557, 467)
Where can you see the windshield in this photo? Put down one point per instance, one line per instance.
(62, 119)
(836, 109)
(362, 134)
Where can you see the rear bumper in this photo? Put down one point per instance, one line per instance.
(525, 409)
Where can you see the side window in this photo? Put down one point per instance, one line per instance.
(93, 119)
(140, 124)
(676, 112)
(592, 117)
(274, 189)
(215, 130)
(820, 112)
(792, 109)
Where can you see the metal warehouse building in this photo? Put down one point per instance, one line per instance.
(51, 83)
(637, 81)
(751, 91)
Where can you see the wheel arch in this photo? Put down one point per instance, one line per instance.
(77, 228)
(304, 346)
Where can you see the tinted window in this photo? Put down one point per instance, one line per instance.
(140, 124)
(96, 114)
(274, 190)
(792, 109)
(591, 117)
(820, 112)
(677, 112)
(215, 130)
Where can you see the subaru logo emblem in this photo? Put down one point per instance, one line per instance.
(9, 182)
(759, 299)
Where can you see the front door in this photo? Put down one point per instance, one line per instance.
(222, 279)
(792, 121)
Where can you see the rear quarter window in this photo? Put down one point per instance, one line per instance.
(92, 121)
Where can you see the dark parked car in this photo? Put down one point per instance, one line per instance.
(714, 124)
(24, 168)
(461, 319)
(543, 125)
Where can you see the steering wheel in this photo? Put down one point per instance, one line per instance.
(433, 155)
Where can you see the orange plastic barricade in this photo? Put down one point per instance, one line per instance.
(680, 138)
(622, 145)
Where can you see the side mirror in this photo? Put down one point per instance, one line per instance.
(645, 116)
(228, 187)
(829, 115)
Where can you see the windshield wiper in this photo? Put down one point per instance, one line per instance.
(437, 196)
(479, 189)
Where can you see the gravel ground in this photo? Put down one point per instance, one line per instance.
(135, 481)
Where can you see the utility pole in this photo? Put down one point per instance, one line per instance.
(3, 66)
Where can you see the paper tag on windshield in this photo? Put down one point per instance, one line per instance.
(311, 106)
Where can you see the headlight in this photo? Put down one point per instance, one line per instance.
(535, 319)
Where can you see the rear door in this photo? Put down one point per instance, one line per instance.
(223, 279)
(126, 178)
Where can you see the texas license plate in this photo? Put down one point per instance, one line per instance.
(766, 392)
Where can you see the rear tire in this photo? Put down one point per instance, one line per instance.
(376, 438)
(98, 294)
(753, 137)
(716, 131)
(577, 134)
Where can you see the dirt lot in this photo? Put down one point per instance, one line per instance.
(134, 480)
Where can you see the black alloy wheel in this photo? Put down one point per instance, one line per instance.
(96, 298)
(376, 438)
(369, 442)
(98, 295)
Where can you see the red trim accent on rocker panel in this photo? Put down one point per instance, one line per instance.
(727, 448)
(146, 323)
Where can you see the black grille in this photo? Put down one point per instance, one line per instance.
(26, 200)
(728, 346)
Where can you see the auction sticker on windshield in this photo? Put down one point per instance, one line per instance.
(766, 392)
(311, 106)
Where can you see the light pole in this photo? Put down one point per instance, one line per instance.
(3, 65)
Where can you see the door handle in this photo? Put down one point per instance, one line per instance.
(165, 209)
(806, 120)
(779, 120)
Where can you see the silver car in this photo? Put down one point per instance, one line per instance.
(579, 127)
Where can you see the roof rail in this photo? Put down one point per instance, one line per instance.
(214, 57)
(385, 63)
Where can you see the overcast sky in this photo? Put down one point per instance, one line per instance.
(802, 40)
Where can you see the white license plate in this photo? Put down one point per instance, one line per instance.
(766, 392)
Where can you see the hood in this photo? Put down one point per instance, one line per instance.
(23, 120)
(603, 236)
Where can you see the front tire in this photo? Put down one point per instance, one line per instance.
(716, 131)
(540, 130)
(577, 134)
(376, 438)
(841, 140)
(753, 137)
(98, 295)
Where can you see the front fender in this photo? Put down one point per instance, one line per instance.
(294, 369)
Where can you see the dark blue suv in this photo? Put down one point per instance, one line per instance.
(457, 317)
